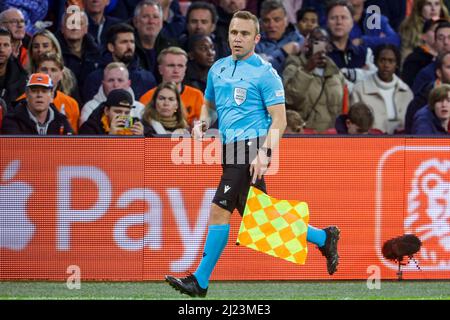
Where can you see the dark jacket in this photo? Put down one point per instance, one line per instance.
(141, 80)
(124, 10)
(93, 29)
(340, 125)
(149, 61)
(193, 77)
(19, 122)
(424, 77)
(220, 45)
(149, 132)
(273, 50)
(420, 100)
(352, 57)
(81, 67)
(222, 25)
(220, 35)
(177, 24)
(372, 37)
(15, 81)
(121, 10)
(415, 62)
(93, 125)
(427, 123)
(393, 10)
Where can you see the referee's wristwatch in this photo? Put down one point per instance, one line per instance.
(268, 151)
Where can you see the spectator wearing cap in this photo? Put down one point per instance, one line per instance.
(37, 116)
(115, 76)
(12, 76)
(45, 41)
(52, 64)
(201, 55)
(422, 55)
(172, 64)
(113, 117)
(279, 38)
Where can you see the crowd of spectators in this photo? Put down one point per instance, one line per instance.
(140, 67)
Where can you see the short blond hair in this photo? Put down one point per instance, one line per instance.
(116, 65)
(171, 50)
(247, 15)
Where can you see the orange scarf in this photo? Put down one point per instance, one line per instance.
(107, 128)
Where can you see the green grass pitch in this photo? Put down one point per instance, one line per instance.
(226, 290)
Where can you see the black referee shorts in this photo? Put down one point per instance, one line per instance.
(236, 179)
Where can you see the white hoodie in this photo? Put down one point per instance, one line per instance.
(100, 97)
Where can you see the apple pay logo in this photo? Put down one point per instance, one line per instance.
(16, 230)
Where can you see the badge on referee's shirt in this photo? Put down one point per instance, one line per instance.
(240, 94)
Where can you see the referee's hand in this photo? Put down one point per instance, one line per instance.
(259, 166)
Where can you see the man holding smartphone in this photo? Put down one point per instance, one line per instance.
(313, 84)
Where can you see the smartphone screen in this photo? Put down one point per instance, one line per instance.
(319, 46)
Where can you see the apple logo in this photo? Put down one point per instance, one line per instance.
(16, 230)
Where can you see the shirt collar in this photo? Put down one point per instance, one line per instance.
(348, 47)
(252, 60)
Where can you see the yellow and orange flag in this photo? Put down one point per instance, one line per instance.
(275, 227)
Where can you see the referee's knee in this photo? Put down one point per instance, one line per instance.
(219, 215)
